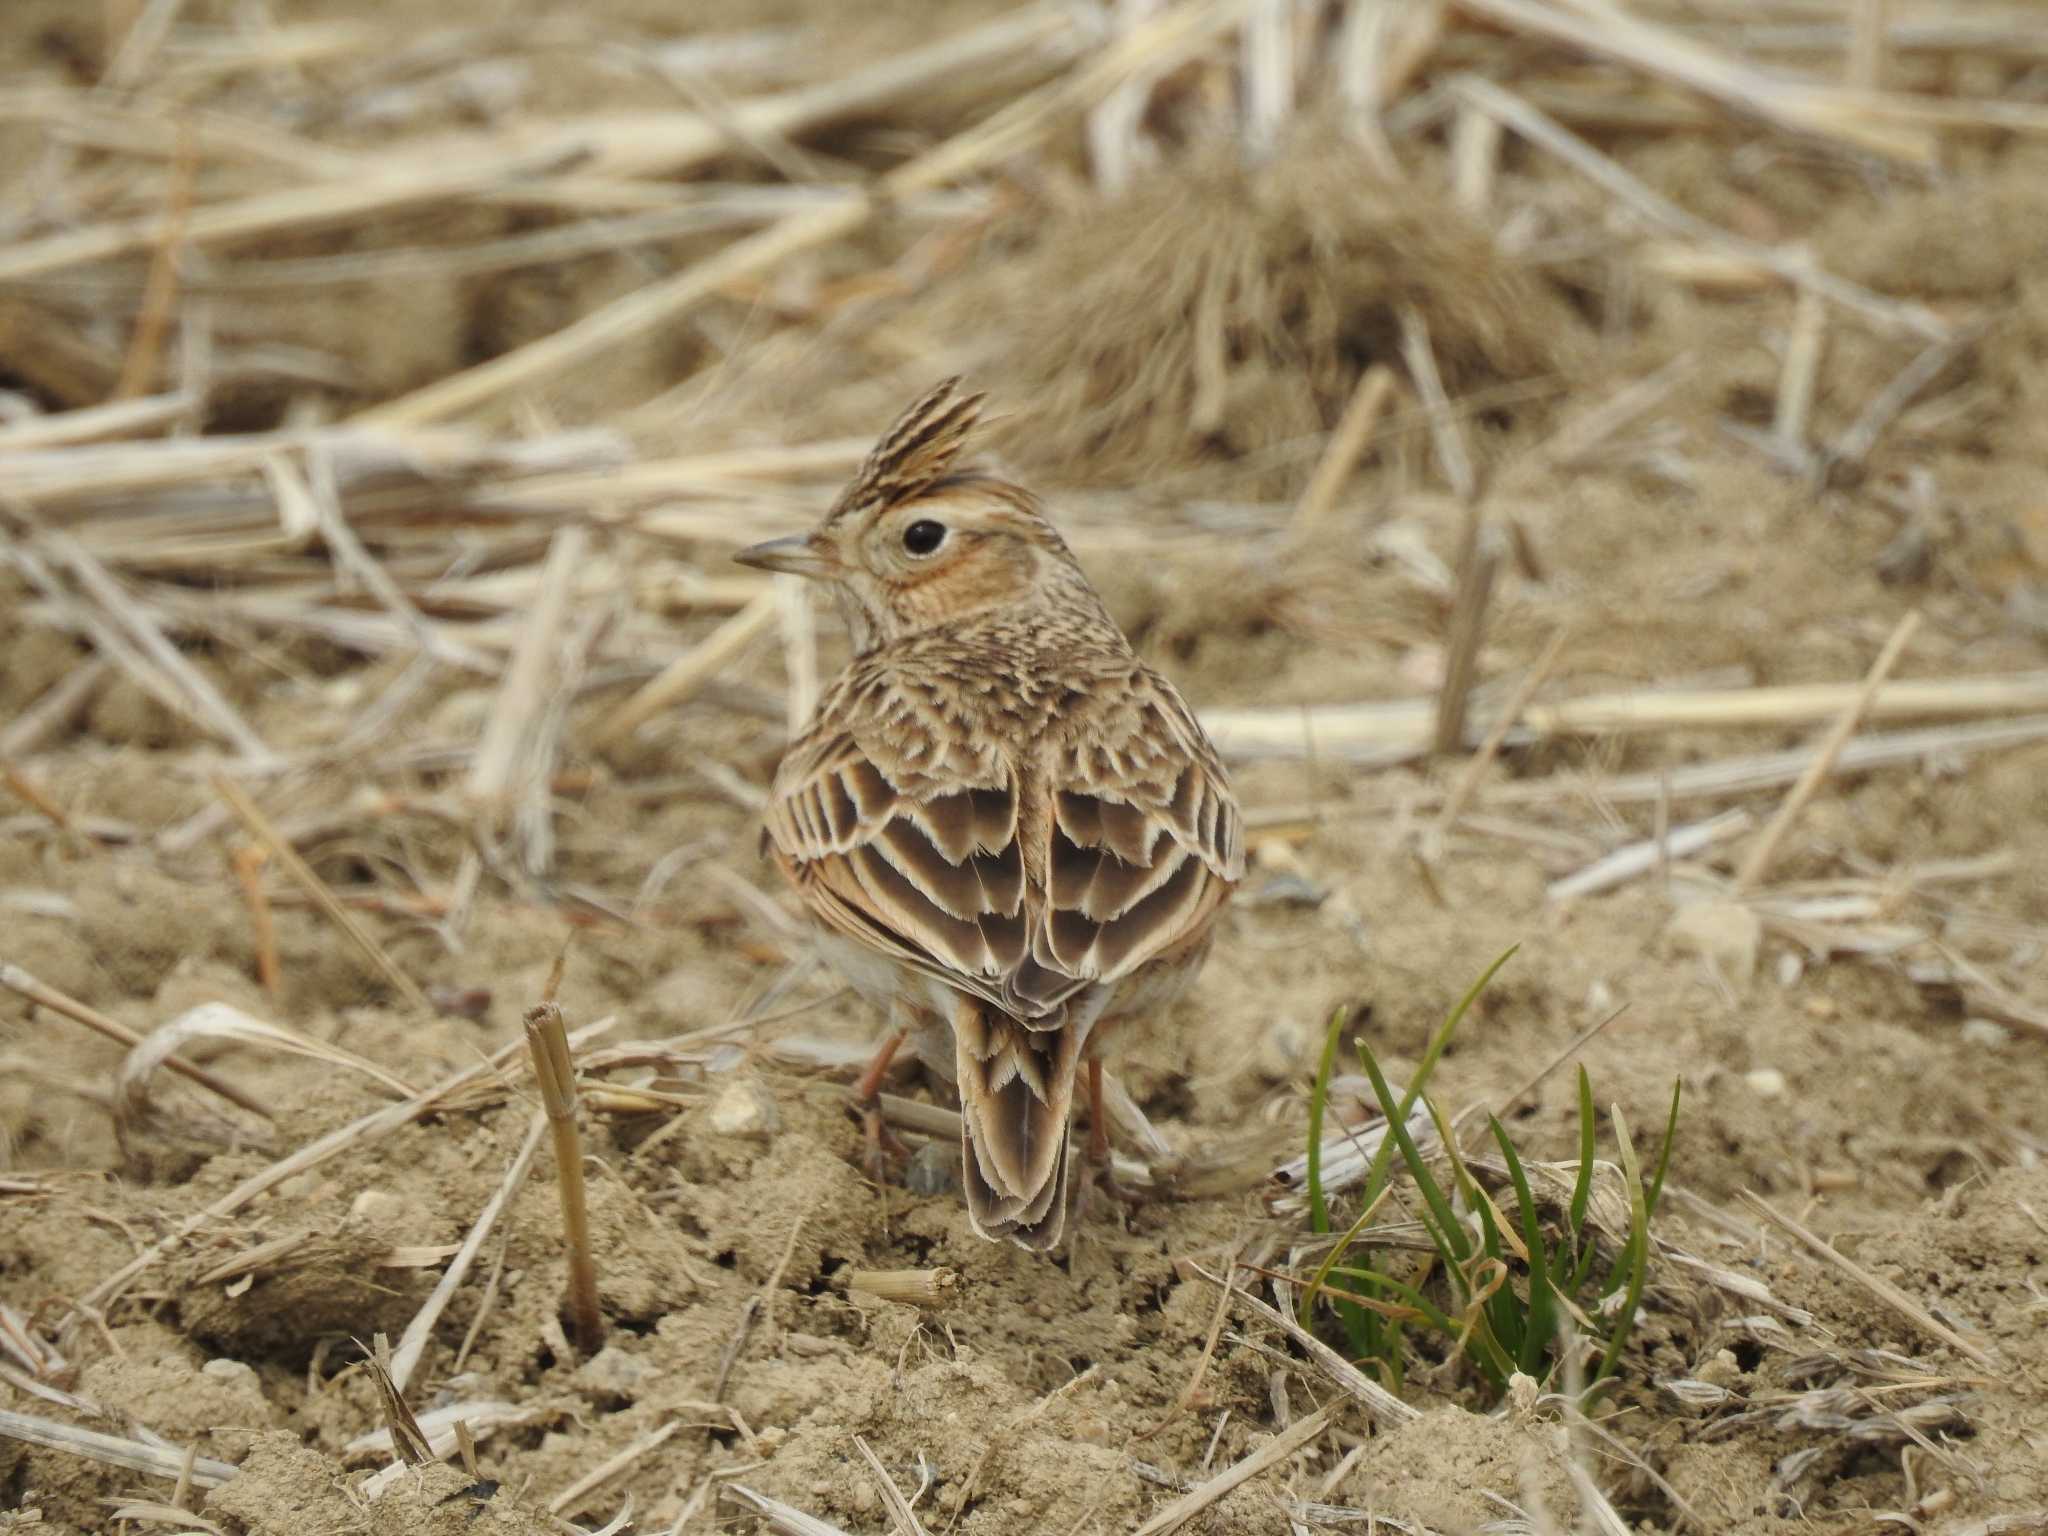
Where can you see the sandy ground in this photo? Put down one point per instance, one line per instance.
(1896, 1117)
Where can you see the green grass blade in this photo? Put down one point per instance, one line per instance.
(1636, 1253)
(1663, 1157)
(1318, 1102)
(1447, 1234)
(1582, 1187)
(1376, 1177)
(1336, 1256)
(1363, 1332)
(1539, 1330)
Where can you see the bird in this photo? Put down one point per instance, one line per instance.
(1005, 824)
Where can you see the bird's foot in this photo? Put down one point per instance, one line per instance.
(885, 1154)
(1100, 1186)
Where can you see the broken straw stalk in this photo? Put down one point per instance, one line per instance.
(548, 1041)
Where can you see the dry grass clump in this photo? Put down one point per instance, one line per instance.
(1222, 308)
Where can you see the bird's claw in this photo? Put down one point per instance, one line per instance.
(884, 1151)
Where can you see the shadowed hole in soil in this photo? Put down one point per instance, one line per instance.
(825, 1280)
(1152, 1298)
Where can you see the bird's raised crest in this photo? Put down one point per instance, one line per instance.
(916, 452)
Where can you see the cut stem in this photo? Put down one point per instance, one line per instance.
(547, 1038)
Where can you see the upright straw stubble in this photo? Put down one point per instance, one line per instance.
(1004, 821)
(547, 1039)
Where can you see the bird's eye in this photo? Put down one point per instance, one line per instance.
(924, 536)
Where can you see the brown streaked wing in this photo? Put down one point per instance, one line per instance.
(935, 881)
(1144, 846)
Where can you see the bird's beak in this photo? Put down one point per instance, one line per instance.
(797, 555)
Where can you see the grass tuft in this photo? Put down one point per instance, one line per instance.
(1510, 1279)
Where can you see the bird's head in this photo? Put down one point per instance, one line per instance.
(915, 541)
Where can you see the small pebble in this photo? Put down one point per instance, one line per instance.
(744, 1108)
(1766, 1082)
(228, 1370)
(611, 1372)
(1724, 1370)
(377, 1205)
(1984, 1032)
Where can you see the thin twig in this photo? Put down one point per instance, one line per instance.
(114, 1450)
(786, 1518)
(1445, 428)
(495, 769)
(1187, 1393)
(37, 799)
(1478, 565)
(1576, 440)
(1856, 443)
(1405, 727)
(1758, 861)
(160, 292)
(413, 1342)
(1385, 1408)
(316, 502)
(1800, 373)
(686, 676)
(572, 1496)
(260, 827)
(1877, 1285)
(1346, 445)
(799, 650)
(1467, 782)
(1626, 863)
(248, 866)
(1803, 107)
(191, 692)
(892, 1496)
(1475, 157)
(1269, 1455)
(52, 709)
(15, 979)
(1791, 266)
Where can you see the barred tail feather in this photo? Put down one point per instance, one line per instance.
(1016, 1097)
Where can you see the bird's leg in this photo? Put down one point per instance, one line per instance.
(1102, 1174)
(867, 1098)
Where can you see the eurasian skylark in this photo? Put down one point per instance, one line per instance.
(1005, 822)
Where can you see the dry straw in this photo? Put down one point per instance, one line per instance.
(547, 1039)
(917, 1287)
